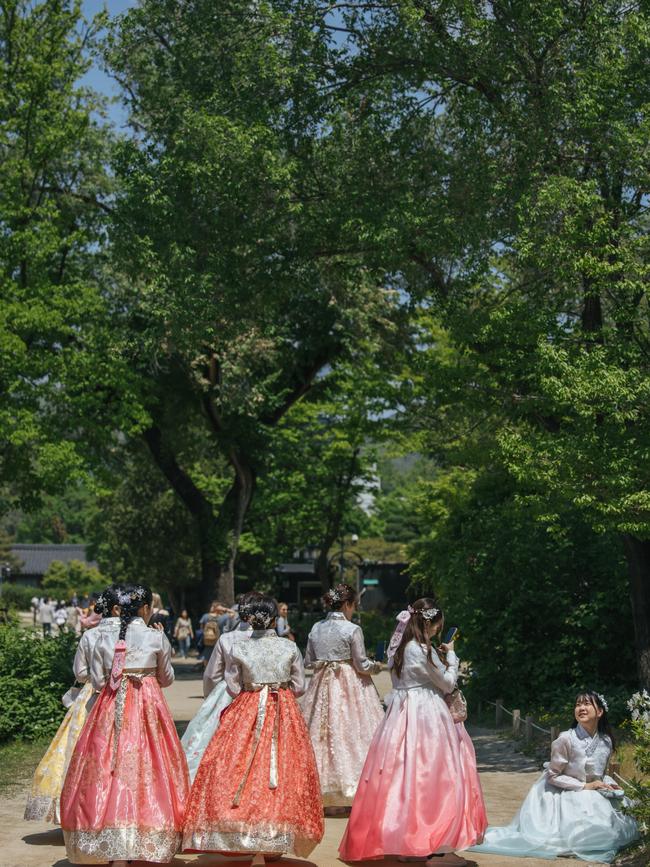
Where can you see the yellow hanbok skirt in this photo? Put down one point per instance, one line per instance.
(43, 799)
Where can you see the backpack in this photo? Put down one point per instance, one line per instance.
(210, 632)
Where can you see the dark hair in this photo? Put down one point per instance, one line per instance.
(262, 611)
(415, 629)
(245, 602)
(336, 596)
(107, 600)
(604, 726)
(131, 598)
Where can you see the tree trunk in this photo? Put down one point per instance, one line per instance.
(233, 514)
(637, 552)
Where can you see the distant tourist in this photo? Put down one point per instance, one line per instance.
(183, 633)
(210, 630)
(60, 616)
(46, 616)
(34, 605)
(282, 624)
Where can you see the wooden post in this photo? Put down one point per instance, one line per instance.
(555, 731)
(499, 712)
(516, 722)
(529, 729)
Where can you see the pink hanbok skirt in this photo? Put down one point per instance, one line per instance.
(342, 711)
(419, 791)
(125, 792)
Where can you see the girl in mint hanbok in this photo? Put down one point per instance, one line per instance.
(199, 732)
(574, 808)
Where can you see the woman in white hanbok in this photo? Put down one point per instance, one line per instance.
(574, 808)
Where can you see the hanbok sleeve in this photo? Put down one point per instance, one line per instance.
(98, 673)
(80, 666)
(310, 654)
(233, 676)
(559, 760)
(164, 670)
(298, 684)
(358, 651)
(214, 670)
(443, 677)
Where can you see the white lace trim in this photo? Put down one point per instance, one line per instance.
(121, 844)
(250, 839)
(42, 808)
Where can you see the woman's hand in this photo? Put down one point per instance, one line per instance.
(447, 648)
(599, 784)
(157, 626)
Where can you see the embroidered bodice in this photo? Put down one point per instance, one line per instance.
(578, 758)
(417, 671)
(146, 649)
(264, 658)
(214, 670)
(336, 638)
(83, 656)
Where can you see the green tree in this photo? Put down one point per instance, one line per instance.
(62, 580)
(58, 382)
(523, 192)
(239, 292)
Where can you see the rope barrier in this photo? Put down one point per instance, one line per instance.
(534, 725)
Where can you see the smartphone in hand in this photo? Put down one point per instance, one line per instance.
(451, 635)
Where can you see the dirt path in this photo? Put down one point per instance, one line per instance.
(506, 777)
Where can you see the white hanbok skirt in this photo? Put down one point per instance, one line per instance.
(554, 821)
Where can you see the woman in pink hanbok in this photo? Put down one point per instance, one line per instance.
(341, 705)
(419, 796)
(125, 792)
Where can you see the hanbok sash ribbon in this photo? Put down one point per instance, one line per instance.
(402, 619)
(119, 659)
(264, 689)
(135, 675)
(328, 667)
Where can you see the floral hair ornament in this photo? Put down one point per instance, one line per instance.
(260, 620)
(603, 702)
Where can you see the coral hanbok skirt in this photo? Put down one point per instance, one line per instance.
(43, 798)
(342, 711)
(419, 791)
(127, 784)
(257, 786)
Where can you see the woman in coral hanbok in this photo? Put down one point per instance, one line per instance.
(202, 727)
(44, 795)
(341, 705)
(419, 795)
(127, 784)
(257, 788)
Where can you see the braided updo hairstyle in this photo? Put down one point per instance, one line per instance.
(337, 595)
(107, 600)
(131, 598)
(245, 601)
(262, 612)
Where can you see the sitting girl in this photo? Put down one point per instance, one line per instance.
(574, 808)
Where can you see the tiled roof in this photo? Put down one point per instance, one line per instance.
(37, 558)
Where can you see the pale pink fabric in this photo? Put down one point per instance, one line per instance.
(419, 791)
(342, 711)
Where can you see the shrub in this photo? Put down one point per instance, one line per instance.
(639, 706)
(34, 674)
(18, 596)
